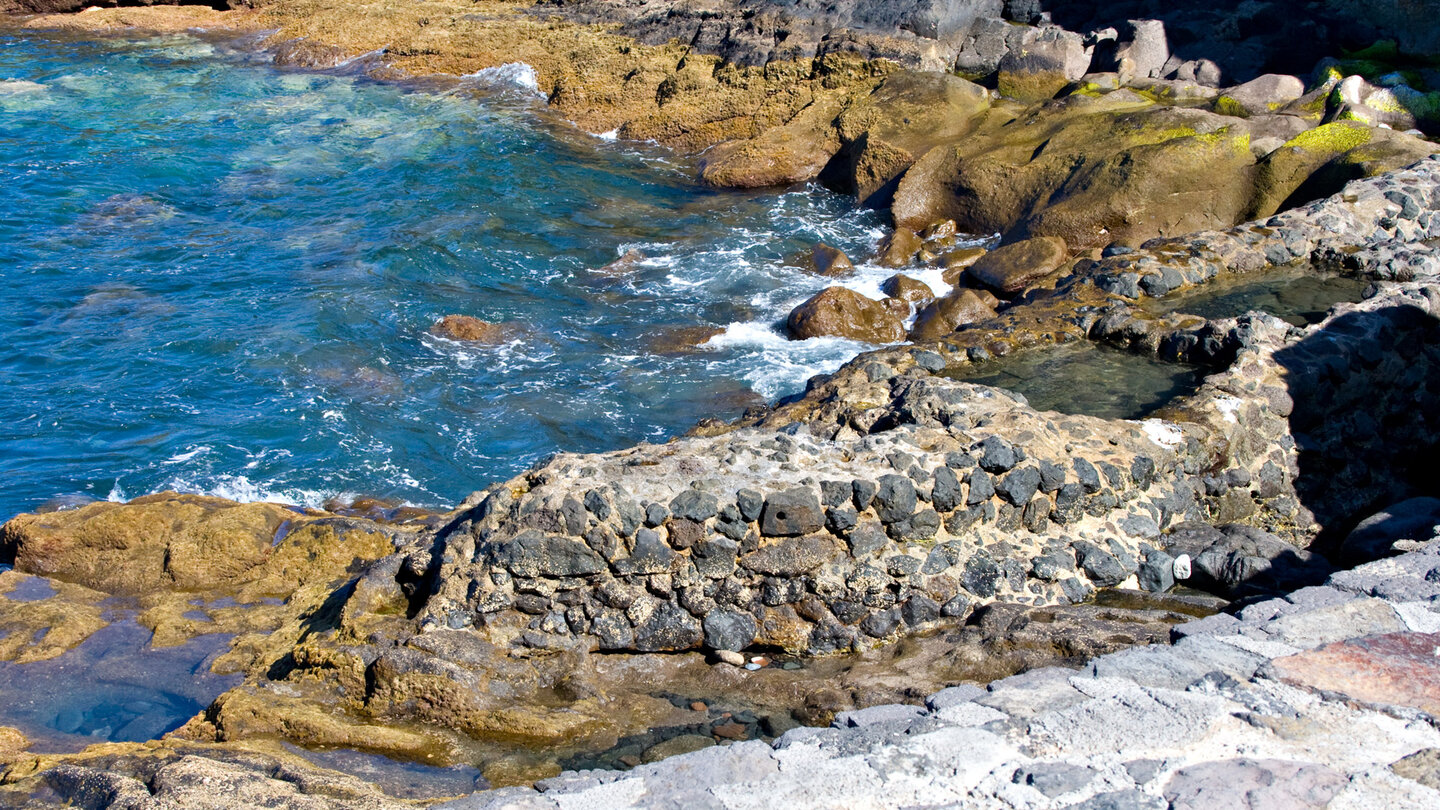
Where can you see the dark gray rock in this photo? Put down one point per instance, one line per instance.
(598, 504)
(1099, 565)
(1052, 477)
(881, 623)
(535, 554)
(863, 493)
(692, 504)
(895, 498)
(1052, 565)
(835, 493)
(1087, 475)
(649, 556)
(750, 503)
(841, 519)
(791, 513)
(981, 486)
(715, 558)
(902, 565)
(957, 607)
(613, 630)
(670, 627)
(729, 630)
(919, 609)
(867, 538)
(998, 455)
(1157, 573)
(981, 576)
(1019, 485)
(1407, 522)
(1142, 471)
(945, 493)
(656, 514)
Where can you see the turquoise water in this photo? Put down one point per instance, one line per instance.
(219, 276)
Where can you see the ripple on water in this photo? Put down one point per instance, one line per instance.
(228, 288)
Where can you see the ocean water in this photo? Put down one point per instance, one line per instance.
(218, 277)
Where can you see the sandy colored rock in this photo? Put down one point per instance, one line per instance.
(910, 113)
(1090, 170)
(842, 312)
(792, 153)
(469, 329)
(12, 743)
(945, 315)
(1010, 269)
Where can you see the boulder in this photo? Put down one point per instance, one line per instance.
(795, 152)
(947, 314)
(1260, 96)
(1237, 560)
(908, 114)
(911, 291)
(1090, 170)
(470, 330)
(830, 261)
(899, 248)
(954, 263)
(1044, 65)
(1142, 52)
(1011, 269)
(842, 312)
(1396, 529)
(1319, 162)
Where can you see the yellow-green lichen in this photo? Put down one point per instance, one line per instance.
(1226, 105)
(1334, 138)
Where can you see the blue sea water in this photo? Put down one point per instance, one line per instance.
(218, 277)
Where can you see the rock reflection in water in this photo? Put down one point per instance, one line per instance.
(1088, 380)
(1299, 299)
(113, 687)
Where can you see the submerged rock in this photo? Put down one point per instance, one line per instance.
(470, 330)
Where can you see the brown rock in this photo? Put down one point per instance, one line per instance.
(830, 262)
(729, 731)
(956, 261)
(468, 329)
(841, 312)
(907, 289)
(900, 248)
(1392, 669)
(788, 154)
(1009, 270)
(1423, 766)
(898, 307)
(944, 316)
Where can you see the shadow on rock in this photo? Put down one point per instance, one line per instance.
(1366, 416)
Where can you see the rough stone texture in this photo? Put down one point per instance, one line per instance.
(1395, 669)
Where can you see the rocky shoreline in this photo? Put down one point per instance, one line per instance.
(568, 610)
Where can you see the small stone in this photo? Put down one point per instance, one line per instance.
(692, 504)
(730, 657)
(750, 504)
(656, 514)
(998, 455)
(698, 706)
(895, 498)
(1099, 565)
(867, 539)
(729, 731)
(945, 491)
(982, 487)
(1019, 485)
(1157, 573)
(791, 513)
(864, 493)
(881, 623)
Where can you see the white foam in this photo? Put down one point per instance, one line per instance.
(242, 489)
(612, 135)
(513, 74)
(774, 365)
(188, 454)
(15, 87)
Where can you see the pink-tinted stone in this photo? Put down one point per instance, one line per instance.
(1400, 669)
